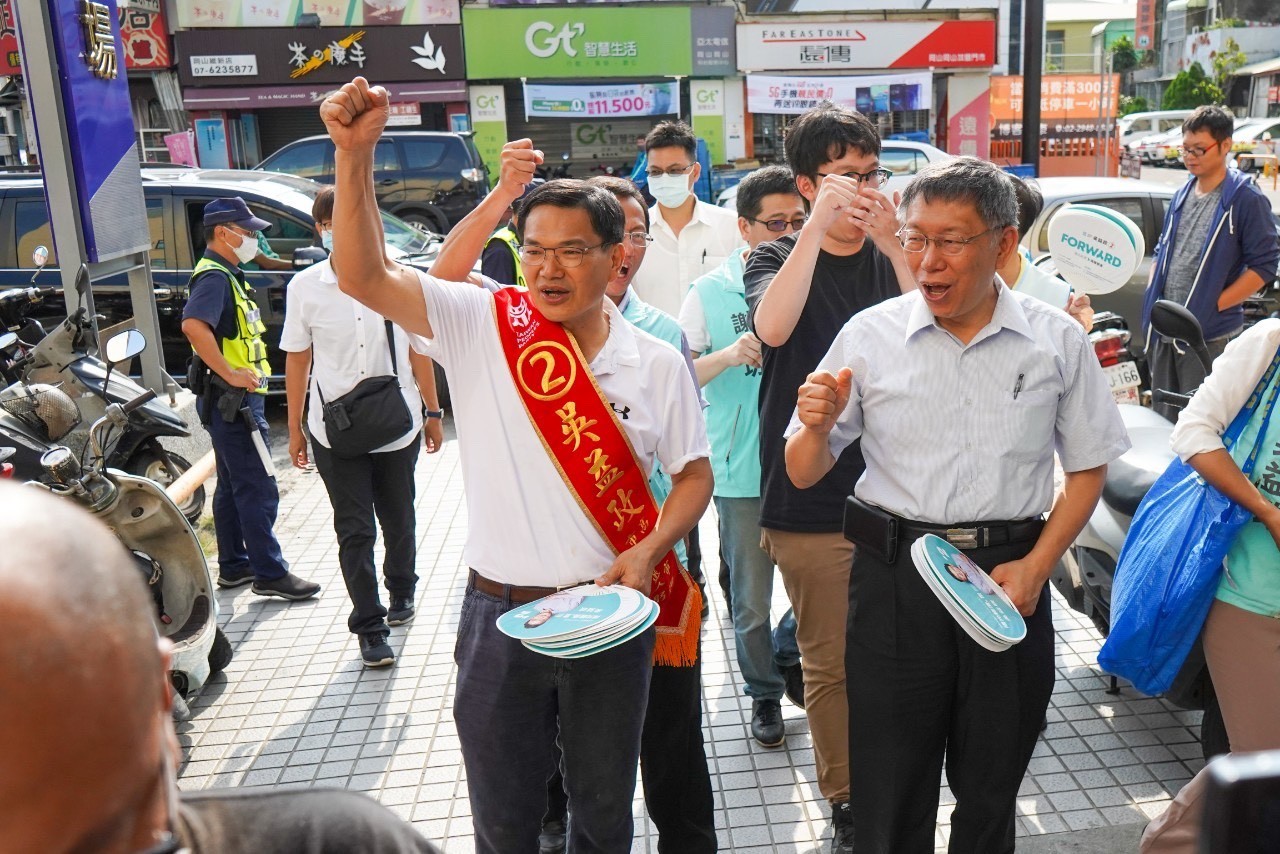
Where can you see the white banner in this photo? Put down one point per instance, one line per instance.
(633, 99)
(790, 96)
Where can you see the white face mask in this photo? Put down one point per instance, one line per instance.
(326, 240)
(670, 190)
(247, 250)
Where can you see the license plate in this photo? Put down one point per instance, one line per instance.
(1124, 380)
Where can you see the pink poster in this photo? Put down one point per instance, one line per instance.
(969, 115)
(182, 148)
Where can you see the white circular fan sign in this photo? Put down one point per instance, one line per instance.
(1095, 249)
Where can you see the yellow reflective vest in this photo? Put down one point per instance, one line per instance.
(246, 349)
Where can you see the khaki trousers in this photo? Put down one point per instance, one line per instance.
(1243, 651)
(815, 572)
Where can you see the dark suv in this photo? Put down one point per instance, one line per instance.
(175, 200)
(428, 179)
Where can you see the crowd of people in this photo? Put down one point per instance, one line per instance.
(839, 371)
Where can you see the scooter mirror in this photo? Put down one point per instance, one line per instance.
(40, 256)
(123, 346)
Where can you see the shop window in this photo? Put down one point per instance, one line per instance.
(1055, 49)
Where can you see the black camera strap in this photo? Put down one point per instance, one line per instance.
(391, 351)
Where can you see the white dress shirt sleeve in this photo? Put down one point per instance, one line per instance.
(684, 430)
(1088, 429)
(848, 426)
(693, 320)
(295, 335)
(1226, 390)
(457, 313)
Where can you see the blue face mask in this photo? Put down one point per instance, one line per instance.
(326, 240)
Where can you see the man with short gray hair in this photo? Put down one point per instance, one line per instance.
(961, 391)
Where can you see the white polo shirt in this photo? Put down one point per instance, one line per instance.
(673, 262)
(525, 525)
(348, 344)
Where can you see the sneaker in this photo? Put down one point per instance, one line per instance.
(375, 650)
(234, 579)
(841, 828)
(793, 686)
(401, 610)
(553, 839)
(766, 723)
(288, 586)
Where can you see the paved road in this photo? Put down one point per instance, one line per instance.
(1177, 177)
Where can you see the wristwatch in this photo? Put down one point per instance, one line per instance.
(434, 413)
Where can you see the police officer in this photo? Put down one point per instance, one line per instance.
(225, 330)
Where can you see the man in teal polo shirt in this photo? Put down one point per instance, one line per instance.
(714, 319)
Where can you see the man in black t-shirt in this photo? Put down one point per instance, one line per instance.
(801, 289)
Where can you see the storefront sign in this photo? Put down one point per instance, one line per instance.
(332, 13)
(404, 115)
(867, 44)
(489, 119)
(787, 7)
(320, 56)
(10, 63)
(715, 49)
(606, 140)
(1072, 106)
(1273, 94)
(635, 99)
(706, 98)
(146, 39)
(969, 119)
(258, 97)
(1144, 25)
(577, 42)
(791, 96)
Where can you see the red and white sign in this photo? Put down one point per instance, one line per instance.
(866, 44)
(969, 118)
(1273, 94)
(146, 39)
(10, 63)
(404, 115)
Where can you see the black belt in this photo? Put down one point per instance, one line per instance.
(515, 595)
(975, 535)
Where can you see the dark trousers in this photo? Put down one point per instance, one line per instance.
(1178, 372)
(360, 488)
(673, 765)
(513, 705)
(246, 499)
(919, 688)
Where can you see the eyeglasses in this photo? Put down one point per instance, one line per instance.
(639, 239)
(240, 231)
(671, 172)
(781, 224)
(1195, 150)
(874, 178)
(568, 256)
(914, 241)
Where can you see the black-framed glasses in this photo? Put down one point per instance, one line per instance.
(235, 229)
(874, 178)
(781, 224)
(1195, 150)
(671, 172)
(914, 241)
(639, 239)
(568, 256)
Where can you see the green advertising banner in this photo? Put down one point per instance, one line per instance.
(706, 98)
(489, 121)
(576, 42)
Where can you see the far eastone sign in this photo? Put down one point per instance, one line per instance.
(577, 42)
(866, 44)
(325, 55)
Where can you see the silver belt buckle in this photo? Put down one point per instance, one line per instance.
(963, 538)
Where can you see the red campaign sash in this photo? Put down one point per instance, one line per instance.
(585, 440)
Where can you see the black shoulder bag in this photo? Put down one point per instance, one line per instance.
(369, 416)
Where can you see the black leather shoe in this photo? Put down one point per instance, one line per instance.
(375, 651)
(401, 610)
(553, 839)
(288, 586)
(228, 579)
(766, 723)
(793, 675)
(841, 828)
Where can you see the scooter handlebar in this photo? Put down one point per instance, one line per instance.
(141, 400)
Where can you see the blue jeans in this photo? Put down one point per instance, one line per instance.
(786, 651)
(751, 581)
(512, 705)
(246, 499)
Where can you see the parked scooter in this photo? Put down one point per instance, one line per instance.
(154, 531)
(65, 356)
(1110, 340)
(1087, 571)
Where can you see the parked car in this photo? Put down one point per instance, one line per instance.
(1153, 148)
(1145, 203)
(901, 157)
(175, 200)
(1247, 139)
(1135, 126)
(429, 179)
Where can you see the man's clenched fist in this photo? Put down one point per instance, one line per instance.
(822, 398)
(355, 115)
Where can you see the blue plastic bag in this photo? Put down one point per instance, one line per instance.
(1169, 567)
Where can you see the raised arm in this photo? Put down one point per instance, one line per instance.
(355, 116)
(467, 240)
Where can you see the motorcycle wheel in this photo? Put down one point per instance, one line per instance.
(146, 463)
(220, 653)
(1213, 730)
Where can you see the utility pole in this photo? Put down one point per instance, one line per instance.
(1032, 71)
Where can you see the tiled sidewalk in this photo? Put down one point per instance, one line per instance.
(296, 707)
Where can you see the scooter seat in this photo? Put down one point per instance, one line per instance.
(1130, 477)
